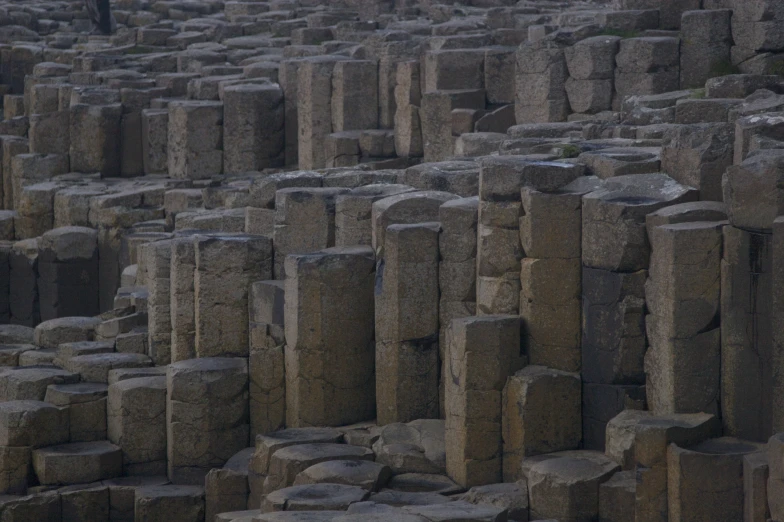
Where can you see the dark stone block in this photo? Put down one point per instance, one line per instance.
(602, 402)
(24, 289)
(613, 336)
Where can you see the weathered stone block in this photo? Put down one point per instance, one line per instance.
(78, 462)
(541, 414)
(566, 486)
(170, 502)
(85, 404)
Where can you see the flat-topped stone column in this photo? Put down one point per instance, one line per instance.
(499, 249)
(95, 143)
(456, 270)
(550, 274)
(304, 222)
(482, 353)
(68, 273)
(328, 321)
(226, 265)
(195, 140)
(266, 361)
(407, 362)
(206, 415)
(253, 136)
(683, 361)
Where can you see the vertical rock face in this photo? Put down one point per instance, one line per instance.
(408, 101)
(94, 145)
(591, 63)
(499, 248)
(435, 117)
(136, 419)
(23, 288)
(354, 96)
(314, 109)
(777, 332)
(456, 271)
(182, 299)
(613, 336)
(647, 65)
(541, 75)
(706, 43)
(746, 352)
(775, 480)
(550, 232)
(157, 260)
(155, 140)
(616, 255)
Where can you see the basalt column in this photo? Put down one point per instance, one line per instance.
(329, 337)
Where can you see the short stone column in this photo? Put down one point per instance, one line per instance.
(195, 140)
(481, 354)
(253, 129)
(206, 415)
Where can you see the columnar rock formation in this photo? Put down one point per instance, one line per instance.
(376, 260)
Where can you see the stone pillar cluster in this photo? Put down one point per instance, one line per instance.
(299, 260)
